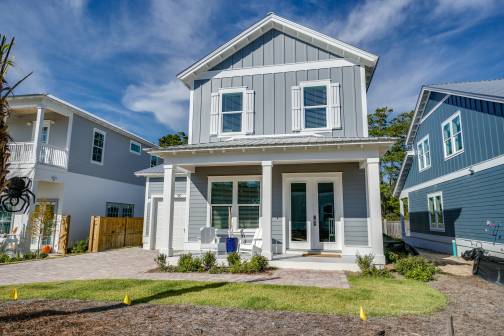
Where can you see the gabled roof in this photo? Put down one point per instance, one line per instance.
(83, 113)
(272, 21)
(492, 90)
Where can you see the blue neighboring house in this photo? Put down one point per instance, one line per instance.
(451, 184)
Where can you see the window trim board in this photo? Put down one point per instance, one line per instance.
(422, 141)
(311, 83)
(431, 228)
(136, 143)
(97, 130)
(449, 120)
(222, 91)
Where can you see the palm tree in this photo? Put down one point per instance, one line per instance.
(6, 61)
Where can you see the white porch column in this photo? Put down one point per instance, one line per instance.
(374, 208)
(401, 212)
(168, 193)
(266, 205)
(38, 131)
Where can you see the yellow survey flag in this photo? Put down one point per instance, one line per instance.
(14, 294)
(362, 314)
(127, 300)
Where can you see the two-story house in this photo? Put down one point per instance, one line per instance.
(451, 184)
(278, 140)
(80, 165)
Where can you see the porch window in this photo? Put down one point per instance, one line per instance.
(424, 156)
(98, 146)
(5, 221)
(120, 209)
(315, 106)
(222, 201)
(436, 215)
(232, 110)
(452, 136)
(235, 202)
(249, 200)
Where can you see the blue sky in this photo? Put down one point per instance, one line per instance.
(119, 59)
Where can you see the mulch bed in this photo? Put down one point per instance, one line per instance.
(475, 304)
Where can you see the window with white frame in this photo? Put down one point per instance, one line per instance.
(235, 203)
(135, 147)
(44, 132)
(97, 153)
(232, 111)
(155, 160)
(5, 221)
(315, 106)
(424, 156)
(436, 215)
(452, 136)
(120, 209)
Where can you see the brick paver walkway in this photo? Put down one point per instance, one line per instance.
(134, 263)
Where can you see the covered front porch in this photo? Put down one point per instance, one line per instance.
(300, 199)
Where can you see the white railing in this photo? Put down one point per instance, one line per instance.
(22, 152)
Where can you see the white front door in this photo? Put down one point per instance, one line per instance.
(314, 211)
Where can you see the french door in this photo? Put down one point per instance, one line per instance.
(313, 211)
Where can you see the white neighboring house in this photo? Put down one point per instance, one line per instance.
(80, 164)
(278, 139)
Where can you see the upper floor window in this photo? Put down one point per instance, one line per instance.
(452, 136)
(424, 156)
(120, 209)
(315, 106)
(97, 153)
(436, 214)
(231, 112)
(135, 147)
(155, 160)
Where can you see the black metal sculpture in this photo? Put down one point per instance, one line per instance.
(18, 196)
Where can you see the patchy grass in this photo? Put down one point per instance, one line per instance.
(378, 296)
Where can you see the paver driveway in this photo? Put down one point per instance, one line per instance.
(134, 263)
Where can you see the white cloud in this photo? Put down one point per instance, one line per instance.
(372, 20)
(168, 102)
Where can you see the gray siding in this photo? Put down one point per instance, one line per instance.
(273, 111)
(354, 196)
(356, 232)
(271, 48)
(156, 186)
(468, 202)
(119, 163)
(483, 131)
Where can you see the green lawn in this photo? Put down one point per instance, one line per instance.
(379, 297)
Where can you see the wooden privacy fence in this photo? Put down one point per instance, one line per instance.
(63, 235)
(392, 229)
(114, 232)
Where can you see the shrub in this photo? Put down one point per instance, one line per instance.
(185, 263)
(43, 255)
(368, 268)
(209, 260)
(80, 246)
(258, 264)
(4, 258)
(394, 256)
(197, 265)
(234, 259)
(237, 268)
(216, 269)
(417, 268)
(160, 260)
(29, 255)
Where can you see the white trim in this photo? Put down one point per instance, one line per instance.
(434, 108)
(234, 205)
(279, 68)
(273, 21)
(135, 143)
(312, 83)
(497, 161)
(69, 132)
(146, 201)
(365, 126)
(222, 91)
(191, 113)
(437, 228)
(188, 205)
(97, 130)
(423, 159)
(449, 121)
(286, 135)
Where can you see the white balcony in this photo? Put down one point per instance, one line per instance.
(24, 153)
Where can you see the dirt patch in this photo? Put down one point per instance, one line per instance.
(474, 303)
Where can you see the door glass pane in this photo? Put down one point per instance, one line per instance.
(298, 212)
(326, 212)
(431, 212)
(439, 209)
(42, 223)
(220, 216)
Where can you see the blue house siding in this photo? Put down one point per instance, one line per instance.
(483, 131)
(468, 202)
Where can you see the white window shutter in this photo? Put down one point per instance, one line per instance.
(249, 112)
(334, 110)
(214, 114)
(296, 108)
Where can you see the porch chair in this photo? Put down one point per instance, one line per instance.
(252, 246)
(209, 241)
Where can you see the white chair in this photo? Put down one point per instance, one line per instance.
(209, 240)
(253, 246)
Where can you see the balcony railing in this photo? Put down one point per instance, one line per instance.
(23, 152)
